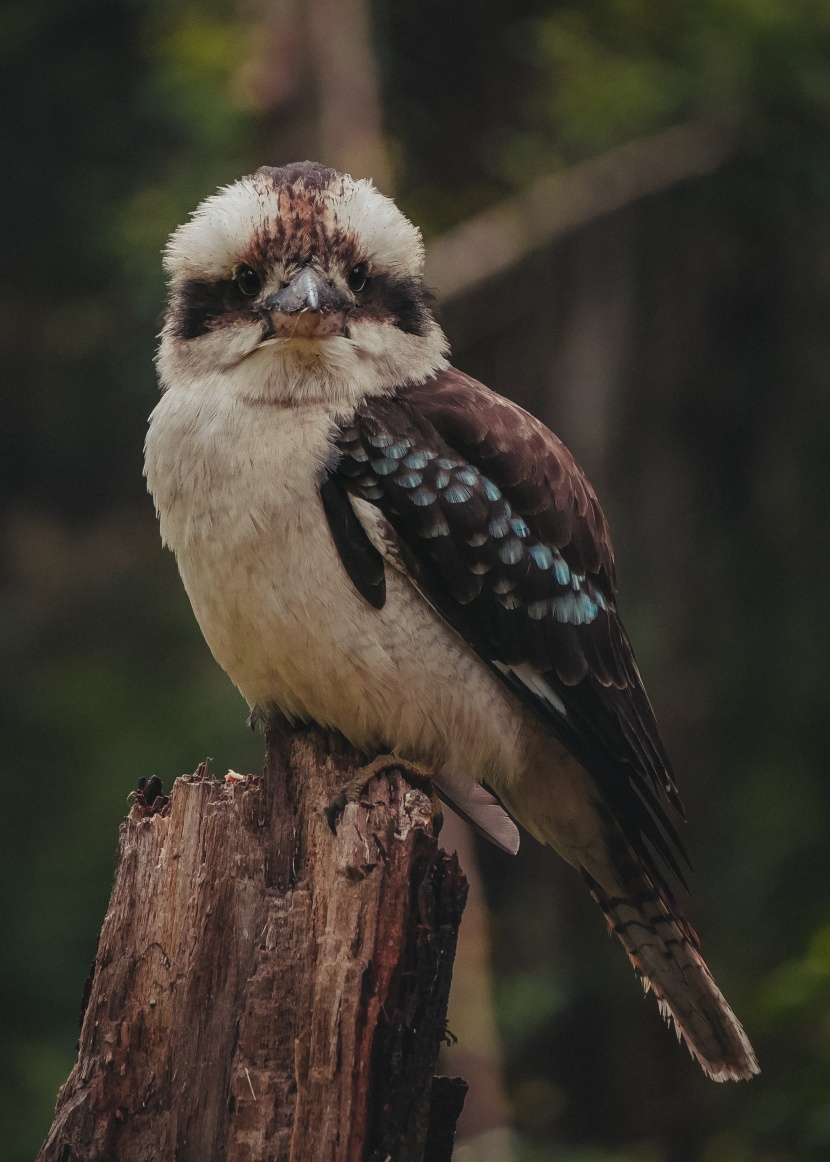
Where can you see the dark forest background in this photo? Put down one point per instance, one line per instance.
(680, 345)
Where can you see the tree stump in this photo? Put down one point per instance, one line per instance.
(264, 989)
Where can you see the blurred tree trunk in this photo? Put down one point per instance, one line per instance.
(264, 989)
(350, 126)
(484, 1128)
(316, 75)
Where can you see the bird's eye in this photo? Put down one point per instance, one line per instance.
(248, 281)
(358, 276)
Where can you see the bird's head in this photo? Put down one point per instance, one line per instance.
(296, 284)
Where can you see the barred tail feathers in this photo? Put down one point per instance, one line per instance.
(664, 951)
(559, 805)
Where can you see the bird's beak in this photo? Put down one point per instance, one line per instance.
(308, 307)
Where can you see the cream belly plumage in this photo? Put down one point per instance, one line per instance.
(237, 488)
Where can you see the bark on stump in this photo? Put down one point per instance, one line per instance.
(263, 989)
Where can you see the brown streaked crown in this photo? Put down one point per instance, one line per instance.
(281, 219)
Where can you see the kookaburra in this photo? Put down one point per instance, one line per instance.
(377, 543)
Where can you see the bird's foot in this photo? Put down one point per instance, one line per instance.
(335, 809)
(417, 774)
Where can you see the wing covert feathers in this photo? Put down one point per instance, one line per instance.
(360, 558)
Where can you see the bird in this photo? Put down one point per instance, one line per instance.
(375, 542)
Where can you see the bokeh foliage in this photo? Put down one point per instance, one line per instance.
(119, 117)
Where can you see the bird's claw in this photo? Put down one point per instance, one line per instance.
(335, 809)
(257, 719)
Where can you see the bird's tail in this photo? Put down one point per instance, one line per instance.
(665, 953)
(559, 805)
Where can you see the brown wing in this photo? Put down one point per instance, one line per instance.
(505, 536)
(533, 468)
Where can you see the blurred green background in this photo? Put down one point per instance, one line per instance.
(681, 345)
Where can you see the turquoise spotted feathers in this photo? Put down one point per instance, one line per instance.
(485, 550)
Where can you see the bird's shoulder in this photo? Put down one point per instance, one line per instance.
(512, 450)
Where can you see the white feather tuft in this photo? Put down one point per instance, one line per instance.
(222, 227)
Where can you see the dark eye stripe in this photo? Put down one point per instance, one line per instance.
(404, 300)
(197, 305)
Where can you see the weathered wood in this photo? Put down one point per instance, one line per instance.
(263, 989)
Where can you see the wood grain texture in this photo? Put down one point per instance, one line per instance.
(264, 989)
